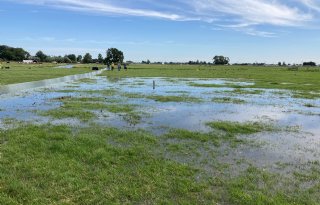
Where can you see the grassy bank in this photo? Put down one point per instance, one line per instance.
(303, 79)
(19, 73)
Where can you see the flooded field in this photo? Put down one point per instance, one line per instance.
(176, 104)
(264, 128)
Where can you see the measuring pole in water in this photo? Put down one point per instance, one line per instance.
(154, 84)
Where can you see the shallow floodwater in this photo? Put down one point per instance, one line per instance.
(269, 106)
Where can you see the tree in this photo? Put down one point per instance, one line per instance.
(100, 58)
(66, 59)
(309, 63)
(87, 58)
(15, 54)
(41, 56)
(79, 58)
(114, 56)
(72, 57)
(146, 62)
(221, 60)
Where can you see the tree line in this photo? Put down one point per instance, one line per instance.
(8, 53)
(113, 55)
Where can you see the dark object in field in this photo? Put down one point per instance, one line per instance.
(8, 61)
(7, 67)
(95, 68)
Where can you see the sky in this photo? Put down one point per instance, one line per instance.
(246, 31)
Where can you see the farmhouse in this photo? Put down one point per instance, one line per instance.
(29, 61)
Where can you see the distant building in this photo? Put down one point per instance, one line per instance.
(29, 61)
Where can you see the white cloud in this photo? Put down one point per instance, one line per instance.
(240, 15)
(103, 8)
(312, 4)
(253, 12)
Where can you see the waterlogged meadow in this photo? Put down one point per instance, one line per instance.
(118, 140)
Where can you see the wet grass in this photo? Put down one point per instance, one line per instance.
(229, 100)
(133, 95)
(105, 92)
(309, 105)
(164, 98)
(84, 108)
(203, 85)
(246, 92)
(53, 165)
(63, 113)
(234, 128)
(178, 92)
(86, 81)
(174, 98)
(306, 95)
(121, 108)
(64, 165)
(19, 73)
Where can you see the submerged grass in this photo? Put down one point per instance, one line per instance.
(62, 113)
(173, 98)
(83, 108)
(246, 91)
(229, 85)
(234, 128)
(229, 100)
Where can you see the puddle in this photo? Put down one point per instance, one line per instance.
(270, 106)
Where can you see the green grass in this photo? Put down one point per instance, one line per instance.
(62, 113)
(19, 73)
(173, 98)
(49, 164)
(164, 98)
(234, 128)
(263, 77)
(133, 95)
(229, 85)
(83, 108)
(86, 81)
(246, 92)
(54, 165)
(229, 100)
(309, 105)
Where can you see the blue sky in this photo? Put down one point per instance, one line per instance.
(167, 30)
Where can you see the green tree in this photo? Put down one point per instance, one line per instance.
(221, 60)
(72, 57)
(79, 58)
(66, 59)
(100, 58)
(41, 56)
(114, 56)
(87, 58)
(15, 54)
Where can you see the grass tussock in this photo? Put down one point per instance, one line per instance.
(173, 98)
(228, 100)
